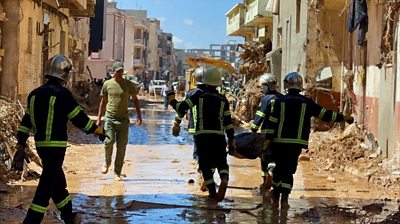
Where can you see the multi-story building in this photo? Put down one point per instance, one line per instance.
(113, 47)
(166, 55)
(139, 39)
(225, 52)
(153, 65)
(28, 41)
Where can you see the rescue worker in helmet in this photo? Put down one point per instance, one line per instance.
(288, 130)
(212, 122)
(269, 87)
(50, 106)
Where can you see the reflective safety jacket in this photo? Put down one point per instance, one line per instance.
(262, 112)
(49, 108)
(193, 111)
(290, 119)
(212, 116)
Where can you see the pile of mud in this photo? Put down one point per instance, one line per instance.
(353, 152)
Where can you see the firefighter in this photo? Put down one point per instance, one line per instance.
(288, 130)
(268, 85)
(212, 121)
(49, 108)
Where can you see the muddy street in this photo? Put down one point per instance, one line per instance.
(160, 185)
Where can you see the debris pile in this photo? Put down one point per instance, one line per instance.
(87, 94)
(246, 102)
(351, 151)
(10, 117)
(254, 59)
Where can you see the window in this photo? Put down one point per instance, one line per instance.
(298, 13)
(30, 34)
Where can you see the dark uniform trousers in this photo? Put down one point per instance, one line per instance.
(52, 184)
(211, 149)
(285, 157)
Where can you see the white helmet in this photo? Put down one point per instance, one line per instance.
(293, 81)
(268, 82)
(198, 75)
(58, 67)
(212, 76)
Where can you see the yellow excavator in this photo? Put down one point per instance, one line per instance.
(195, 62)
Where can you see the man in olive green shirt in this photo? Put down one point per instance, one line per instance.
(115, 95)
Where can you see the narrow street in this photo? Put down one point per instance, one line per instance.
(157, 186)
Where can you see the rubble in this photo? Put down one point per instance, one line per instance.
(87, 94)
(10, 117)
(254, 59)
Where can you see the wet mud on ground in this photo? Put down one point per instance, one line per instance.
(160, 185)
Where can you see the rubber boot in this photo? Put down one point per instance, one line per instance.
(285, 201)
(222, 189)
(211, 191)
(275, 196)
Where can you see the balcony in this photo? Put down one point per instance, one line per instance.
(79, 8)
(141, 24)
(138, 63)
(256, 14)
(139, 43)
(235, 21)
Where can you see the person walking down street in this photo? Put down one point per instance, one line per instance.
(288, 130)
(115, 95)
(164, 91)
(49, 108)
(212, 122)
(268, 85)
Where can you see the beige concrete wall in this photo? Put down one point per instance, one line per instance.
(129, 42)
(292, 42)
(153, 57)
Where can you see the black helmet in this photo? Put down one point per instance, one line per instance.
(293, 81)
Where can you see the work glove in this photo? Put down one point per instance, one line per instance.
(176, 129)
(349, 119)
(19, 157)
(266, 146)
(170, 96)
(101, 133)
(231, 147)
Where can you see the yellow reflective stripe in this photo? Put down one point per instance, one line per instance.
(255, 126)
(334, 115)
(322, 113)
(38, 208)
(263, 174)
(272, 105)
(88, 125)
(51, 144)
(287, 186)
(263, 131)
(189, 102)
(227, 113)
(210, 181)
(282, 119)
(64, 202)
(269, 131)
(259, 113)
(74, 112)
(50, 117)
(32, 112)
(223, 171)
(194, 116)
(302, 114)
(221, 115)
(178, 117)
(271, 165)
(228, 127)
(209, 132)
(273, 119)
(24, 129)
(288, 140)
(201, 101)
(276, 184)
(192, 130)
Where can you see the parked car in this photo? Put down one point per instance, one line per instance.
(155, 86)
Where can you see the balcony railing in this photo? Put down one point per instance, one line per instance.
(235, 21)
(256, 13)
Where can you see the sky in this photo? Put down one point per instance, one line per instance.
(193, 23)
